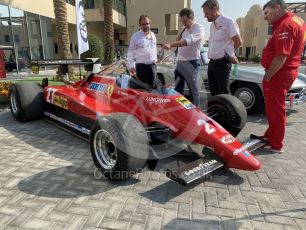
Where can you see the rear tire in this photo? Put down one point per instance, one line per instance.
(119, 146)
(26, 101)
(228, 111)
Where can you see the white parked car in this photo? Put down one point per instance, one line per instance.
(245, 83)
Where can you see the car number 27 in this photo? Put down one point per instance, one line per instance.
(50, 95)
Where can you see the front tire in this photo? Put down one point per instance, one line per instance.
(26, 101)
(228, 111)
(119, 146)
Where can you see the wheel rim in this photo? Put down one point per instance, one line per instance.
(105, 149)
(218, 111)
(13, 103)
(246, 96)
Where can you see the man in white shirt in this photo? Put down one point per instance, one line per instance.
(224, 39)
(189, 45)
(142, 50)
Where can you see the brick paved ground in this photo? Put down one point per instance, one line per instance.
(46, 182)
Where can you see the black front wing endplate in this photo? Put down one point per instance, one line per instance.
(203, 166)
(194, 170)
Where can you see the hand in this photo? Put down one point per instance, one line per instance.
(132, 71)
(234, 60)
(267, 77)
(167, 46)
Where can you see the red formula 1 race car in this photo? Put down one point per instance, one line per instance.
(123, 118)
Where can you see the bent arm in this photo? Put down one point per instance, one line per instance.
(237, 41)
(130, 53)
(276, 65)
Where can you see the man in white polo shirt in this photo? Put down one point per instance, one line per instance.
(189, 44)
(224, 39)
(142, 50)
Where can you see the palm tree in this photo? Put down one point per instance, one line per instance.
(108, 31)
(63, 39)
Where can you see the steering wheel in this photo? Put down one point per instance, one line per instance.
(122, 63)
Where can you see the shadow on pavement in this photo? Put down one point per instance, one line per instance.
(68, 182)
(171, 189)
(217, 223)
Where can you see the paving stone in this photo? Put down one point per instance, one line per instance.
(265, 226)
(279, 219)
(18, 220)
(220, 211)
(111, 224)
(47, 183)
(37, 224)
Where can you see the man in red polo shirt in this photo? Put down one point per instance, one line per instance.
(280, 59)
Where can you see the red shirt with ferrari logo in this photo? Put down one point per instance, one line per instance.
(288, 38)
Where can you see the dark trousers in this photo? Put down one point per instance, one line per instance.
(188, 71)
(218, 76)
(146, 73)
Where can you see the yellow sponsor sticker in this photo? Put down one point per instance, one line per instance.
(35, 69)
(60, 102)
(110, 90)
(185, 102)
(298, 20)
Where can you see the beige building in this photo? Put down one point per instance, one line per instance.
(255, 31)
(164, 17)
(29, 26)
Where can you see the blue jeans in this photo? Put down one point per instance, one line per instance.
(188, 71)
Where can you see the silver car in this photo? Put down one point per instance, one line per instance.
(245, 83)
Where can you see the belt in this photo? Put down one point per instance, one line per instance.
(145, 63)
(220, 59)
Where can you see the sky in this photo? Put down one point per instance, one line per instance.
(230, 8)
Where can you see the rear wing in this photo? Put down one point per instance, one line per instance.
(92, 64)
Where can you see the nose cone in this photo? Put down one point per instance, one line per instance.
(250, 161)
(244, 161)
(256, 165)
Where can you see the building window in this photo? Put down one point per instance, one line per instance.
(71, 2)
(171, 24)
(119, 5)
(16, 38)
(269, 30)
(89, 4)
(7, 38)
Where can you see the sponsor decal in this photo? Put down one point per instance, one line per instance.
(283, 35)
(228, 139)
(200, 167)
(207, 127)
(154, 100)
(60, 102)
(97, 87)
(298, 20)
(120, 92)
(70, 124)
(50, 95)
(82, 96)
(185, 102)
(246, 146)
(246, 153)
(110, 90)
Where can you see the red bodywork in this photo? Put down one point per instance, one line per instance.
(100, 95)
